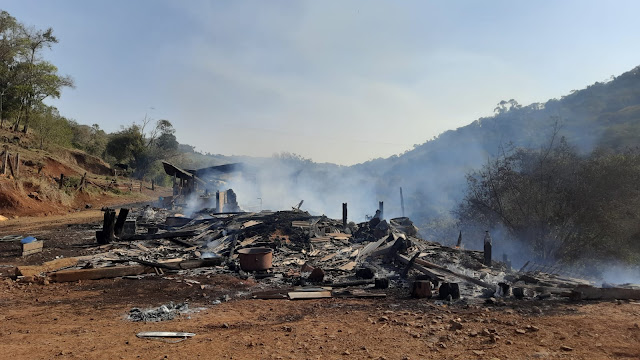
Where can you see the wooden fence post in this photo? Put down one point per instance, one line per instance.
(17, 167)
(5, 160)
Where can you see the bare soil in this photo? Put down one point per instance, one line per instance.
(87, 319)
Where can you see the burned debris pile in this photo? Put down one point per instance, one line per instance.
(294, 255)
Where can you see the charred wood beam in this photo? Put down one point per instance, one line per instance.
(165, 235)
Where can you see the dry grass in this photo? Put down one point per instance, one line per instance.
(46, 189)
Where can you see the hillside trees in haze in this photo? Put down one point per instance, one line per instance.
(559, 204)
(603, 115)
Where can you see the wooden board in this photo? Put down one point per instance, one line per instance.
(592, 293)
(300, 295)
(339, 235)
(371, 246)
(302, 224)
(328, 257)
(48, 266)
(249, 241)
(32, 248)
(250, 223)
(348, 266)
(320, 238)
(99, 273)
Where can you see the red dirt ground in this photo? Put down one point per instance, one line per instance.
(87, 320)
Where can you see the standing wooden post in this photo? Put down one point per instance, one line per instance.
(5, 160)
(174, 185)
(459, 240)
(10, 163)
(381, 208)
(140, 185)
(344, 216)
(153, 185)
(16, 168)
(82, 182)
(487, 249)
(122, 217)
(61, 181)
(106, 235)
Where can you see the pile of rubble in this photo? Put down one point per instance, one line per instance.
(298, 256)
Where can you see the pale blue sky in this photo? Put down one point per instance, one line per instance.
(336, 81)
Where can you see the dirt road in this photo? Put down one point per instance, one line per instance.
(87, 321)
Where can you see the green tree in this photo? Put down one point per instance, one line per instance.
(26, 78)
(143, 151)
(51, 127)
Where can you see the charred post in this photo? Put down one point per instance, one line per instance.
(487, 249)
(381, 208)
(401, 202)
(106, 235)
(344, 216)
(119, 225)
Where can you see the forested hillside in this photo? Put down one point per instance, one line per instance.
(604, 117)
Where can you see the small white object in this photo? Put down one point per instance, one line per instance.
(152, 334)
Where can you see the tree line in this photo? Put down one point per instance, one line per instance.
(27, 79)
(559, 204)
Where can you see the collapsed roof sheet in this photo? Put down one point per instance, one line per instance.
(173, 170)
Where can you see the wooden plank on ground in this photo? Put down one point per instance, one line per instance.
(358, 293)
(593, 293)
(164, 235)
(339, 235)
(329, 257)
(32, 248)
(141, 247)
(383, 250)
(99, 273)
(53, 265)
(272, 294)
(348, 266)
(320, 239)
(249, 241)
(300, 295)
(370, 247)
(431, 273)
(302, 224)
(250, 223)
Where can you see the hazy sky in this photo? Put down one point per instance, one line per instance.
(336, 81)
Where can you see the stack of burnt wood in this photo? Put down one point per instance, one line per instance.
(293, 254)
